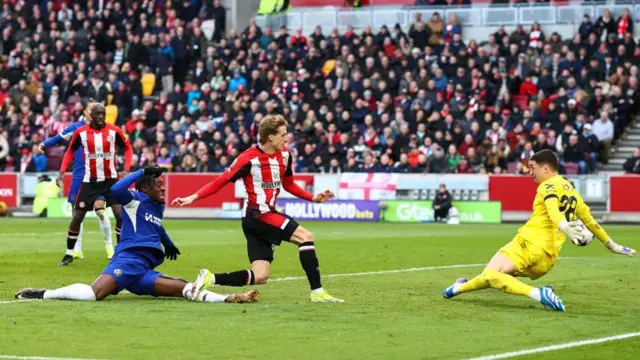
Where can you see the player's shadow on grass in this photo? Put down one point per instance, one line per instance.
(133, 298)
(502, 304)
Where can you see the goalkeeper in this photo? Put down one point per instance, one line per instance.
(534, 251)
(139, 252)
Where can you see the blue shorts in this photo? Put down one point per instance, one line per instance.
(75, 188)
(133, 269)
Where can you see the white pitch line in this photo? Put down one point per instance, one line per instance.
(382, 272)
(13, 301)
(557, 347)
(37, 358)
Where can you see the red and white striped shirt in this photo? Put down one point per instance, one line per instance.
(100, 150)
(263, 174)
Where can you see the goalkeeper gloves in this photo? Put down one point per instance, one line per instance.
(573, 231)
(619, 249)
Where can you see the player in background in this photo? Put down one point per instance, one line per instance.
(263, 168)
(78, 173)
(99, 142)
(139, 252)
(535, 249)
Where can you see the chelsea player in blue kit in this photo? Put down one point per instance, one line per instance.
(78, 173)
(139, 252)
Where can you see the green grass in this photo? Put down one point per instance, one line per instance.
(386, 316)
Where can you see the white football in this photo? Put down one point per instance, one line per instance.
(588, 238)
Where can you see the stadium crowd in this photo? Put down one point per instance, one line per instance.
(385, 100)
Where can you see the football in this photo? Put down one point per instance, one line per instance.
(588, 235)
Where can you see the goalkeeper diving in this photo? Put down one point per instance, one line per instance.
(557, 209)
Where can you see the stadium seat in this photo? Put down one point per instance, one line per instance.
(571, 168)
(521, 100)
(148, 81)
(54, 157)
(112, 114)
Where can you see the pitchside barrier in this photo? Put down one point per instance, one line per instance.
(375, 197)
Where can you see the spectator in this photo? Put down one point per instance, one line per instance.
(422, 164)
(436, 25)
(367, 93)
(605, 25)
(624, 24)
(574, 154)
(188, 164)
(219, 15)
(586, 27)
(453, 157)
(441, 204)
(591, 146)
(603, 130)
(632, 165)
(452, 29)
(402, 166)
(420, 34)
(438, 164)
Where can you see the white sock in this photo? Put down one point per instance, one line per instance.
(72, 292)
(535, 294)
(317, 291)
(78, 247)
(456, 288)
(187, 293)
(211, 297)
(105, 229)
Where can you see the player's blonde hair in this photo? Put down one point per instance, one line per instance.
(269, 125)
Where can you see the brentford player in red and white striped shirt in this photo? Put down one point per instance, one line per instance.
(264, 169)
(100, 142)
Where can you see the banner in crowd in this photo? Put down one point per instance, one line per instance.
(60, 208)
(334, 210)
(358, 186)
(470, 212)
(9, 189)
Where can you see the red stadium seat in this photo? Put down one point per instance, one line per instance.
(521, 100)
(512, 167)
(571, 168)
(54, 157)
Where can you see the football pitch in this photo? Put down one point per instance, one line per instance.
(390, 276)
